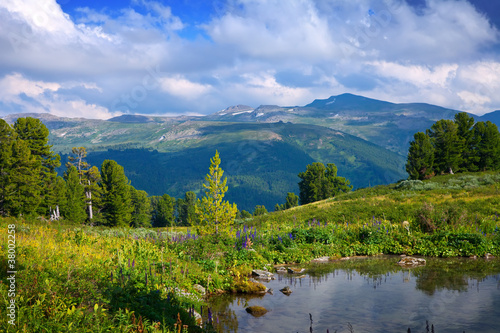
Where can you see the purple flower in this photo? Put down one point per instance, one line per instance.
(133, 263)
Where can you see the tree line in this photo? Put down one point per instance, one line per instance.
(451, 146)
(29, 185)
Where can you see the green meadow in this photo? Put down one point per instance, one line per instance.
(97, 279)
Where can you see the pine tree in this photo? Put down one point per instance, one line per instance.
(117, 207)
(36, 136)
(420, 157)
(465, 125)
(24, 190)
(74, 209)
(259, 210)
(186, 209)
(291, 200)
(141, 216)
(7, 137)
(162, 214)
(89, 176)
(319, 183)
(488, 146)
(448, 146)
(215, 215)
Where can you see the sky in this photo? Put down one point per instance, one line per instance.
(99, 59)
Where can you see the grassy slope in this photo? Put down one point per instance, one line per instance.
(103, 280)
(470, 198)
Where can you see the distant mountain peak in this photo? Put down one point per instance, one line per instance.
(349, 101)
(235, 110)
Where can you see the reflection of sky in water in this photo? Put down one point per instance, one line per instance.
(387, 304)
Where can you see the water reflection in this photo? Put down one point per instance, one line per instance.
(374, 295)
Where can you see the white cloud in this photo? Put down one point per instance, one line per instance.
(256, 52)
(272, 29)
(180, 86)
(418, 75)
(25, 95)
(264, 88)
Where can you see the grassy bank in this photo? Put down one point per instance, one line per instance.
(89, 279)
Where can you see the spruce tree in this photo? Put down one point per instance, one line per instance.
(214, 214)
(117, 208)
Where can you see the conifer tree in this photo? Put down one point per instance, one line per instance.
(24, 188)
(74, 209)
(186, 209)
(420, 157)
(36, 136)
(141, 216)
(215, 215)
(7, 137)
(259, 210)
(488, 146)
(319, 182)
(162, 213)
(117, 207)
(448, 146)
(465, 124)
(89, 176)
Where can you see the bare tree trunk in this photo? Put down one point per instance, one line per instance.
(88, 194)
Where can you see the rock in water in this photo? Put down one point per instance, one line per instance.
(256, 311)
(411, 262)
(281, 270)
(293, 270)
(287, 291)
(261, 274)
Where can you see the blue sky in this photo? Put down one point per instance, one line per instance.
(98, 59)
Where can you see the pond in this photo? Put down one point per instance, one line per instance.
(373, 295)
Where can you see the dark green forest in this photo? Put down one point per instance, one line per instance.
(451, 146)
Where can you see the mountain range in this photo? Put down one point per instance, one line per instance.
(262, 149)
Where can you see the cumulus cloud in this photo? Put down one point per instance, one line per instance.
(248, 51)
(20, 94)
